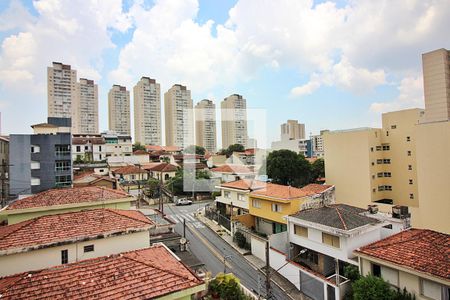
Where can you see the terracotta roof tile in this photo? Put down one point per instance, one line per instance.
(140, 152)
(130, 169)
(68, 196)
(314, 188)
(422, 250)
(280, 191)
(141, 274)
(233, 169)
(51, 229)
(245, 184)
(160, 167)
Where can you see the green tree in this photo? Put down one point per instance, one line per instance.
(151, 189)
(194, 149)
(138, 146)
(372, 288)
(232, 148)
(288, 168)
(317, 169)
(226, 286)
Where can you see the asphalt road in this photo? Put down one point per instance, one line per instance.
(210, 249)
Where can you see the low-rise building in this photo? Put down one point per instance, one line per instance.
(64, 238)
(415, 259)
(297, 146)
(57, 201)
(229, 172)
(149, 273)
(130, 174)
(88, 148)
(117, 144)
(161, 171)
(93, 179)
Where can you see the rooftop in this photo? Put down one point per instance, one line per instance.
(339, 216)
(130, 169)
(233, 169)
(160, 167)
(140, 152)
(280, 192)
(68, 196)
(141, 274)
(244, 184)
(314, 188)
(422, 250)
(81, 225)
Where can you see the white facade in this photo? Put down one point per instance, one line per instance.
(119, 110)
(205, 125)
(85, 108)
(234, 121)
(239, 198)
(147, 112)
(117, 145)
(298, 146)
(61, 85)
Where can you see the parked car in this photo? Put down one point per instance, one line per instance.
(183, 201)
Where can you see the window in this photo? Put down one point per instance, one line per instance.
(411, 196)
(86, 148)
(410, 181)
(64, 256)
(386, 161)
(430, 289)
(387, 133)
(387, 174)
(408, 153)
(35, 149)
(380, 174)
(379, 161)
(89, 248)
(393, 126)
(78, 148)
(374, 190)
(62, 165)
(410, 167)
(388, 226)
(331, 240)
(227, 194)
(256, 203)
(408, 139)
(276, 207)
(300, 230)
(64, 180)
(378, 148)
(62, 149)
(376, 270)
(371, 149)
(386, 147)
(241, 197)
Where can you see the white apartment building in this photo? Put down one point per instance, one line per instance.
(205, 125)
(61, 87)
(292, 130)
(147, 112)
(317, 149)
(88, 148)
(179, 115)
(117, 144)
(234, 121)
(292, 137)
(298, 146)
(119, 110)
(85, 108)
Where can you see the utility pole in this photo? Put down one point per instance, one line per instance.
(3, 178)
(268, 290)
(184, 228)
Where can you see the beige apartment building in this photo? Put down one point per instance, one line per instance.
(85, 108)
(406, 162)
(119, 110)
(205, 125)
(292, 130)
(234, 121)
(61, 87)
(147, 112)
(179, 116)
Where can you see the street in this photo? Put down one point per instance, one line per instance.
(211, 250)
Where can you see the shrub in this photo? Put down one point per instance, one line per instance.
(240, 239)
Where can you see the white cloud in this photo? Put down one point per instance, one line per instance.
(305, 89)
(410, 96)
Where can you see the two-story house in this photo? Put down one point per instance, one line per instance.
(415, 259)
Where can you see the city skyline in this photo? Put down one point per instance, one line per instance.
(355, 77)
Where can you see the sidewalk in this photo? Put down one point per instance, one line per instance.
(258, 264)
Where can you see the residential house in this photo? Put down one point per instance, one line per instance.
(149, 273)
(57, 201)
(93, 179)
(130, 174)
(161, 171)
(320, 242)
(88, 148)
(69, 237)
(228, 173)
(415, 259)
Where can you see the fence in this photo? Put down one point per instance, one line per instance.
(222, 220)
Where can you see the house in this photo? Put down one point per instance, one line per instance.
(149, 273)
(88, 148)
(64, 238)
(415, 259)
(161, 171)
(93, 179)
(116, 144)
(130, 174)
(228, 173)
(319, 244)
(57, 201)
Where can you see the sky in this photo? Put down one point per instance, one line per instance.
(329, 64)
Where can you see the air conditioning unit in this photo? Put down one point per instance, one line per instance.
(400, 212)
(373, 209)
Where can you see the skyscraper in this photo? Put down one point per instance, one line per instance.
(85, 108)
(119, 110)
(61, 85)
(436, 84)
(147, 112)
(234, 121)
(205, 125)
(178, 108)
(292, 130)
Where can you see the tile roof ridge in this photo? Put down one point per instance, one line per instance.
(341, 218)
(116, 211)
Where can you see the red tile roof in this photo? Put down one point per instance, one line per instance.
(140, 152)
(314, 188)
(131, 169)
(87, 140)
(140, 274)
(233, 169)
(68, 196)
(160, 167)
(280, 192)
(164, 148)
(422, 250)
(244, 184)
(87, 224)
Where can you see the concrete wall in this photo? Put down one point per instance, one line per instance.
(234, 198)
(47, 257)
(20, 160)
(258, 248)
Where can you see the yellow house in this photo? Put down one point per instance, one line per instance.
(56, 201)
(415, 259)
(269, 205)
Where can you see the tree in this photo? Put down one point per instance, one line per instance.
(138, 146)
(232, 148)
(317, 169)
(372, 288)
(194, 149)
(152, 188)
(226, 286)
(288, 168)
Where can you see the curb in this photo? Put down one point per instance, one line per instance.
(248, 261)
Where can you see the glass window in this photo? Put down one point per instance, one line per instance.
(276, 207)
(300, 230)
(227, 194)
(376, 270)
(89, 248)
(64, 256)
(331, 240)
(241, 197)
(430, 289)
(256, 203)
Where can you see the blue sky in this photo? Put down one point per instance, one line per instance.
(329, 64)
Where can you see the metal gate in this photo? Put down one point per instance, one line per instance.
(311, 287)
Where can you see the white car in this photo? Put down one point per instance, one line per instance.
(183, 201)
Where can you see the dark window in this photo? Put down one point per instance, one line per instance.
(409, 167)
(78, 148)
(411, 196)
(376, 270)
(64, 256)
(410, 181)
(409, 153)
(393, 126)
(408, 139)
(387, 133)
(388, 226)
(88, 248)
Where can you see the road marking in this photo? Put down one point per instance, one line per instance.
(208, 245)
(189, 217)
(173, 219)
(198, 225)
